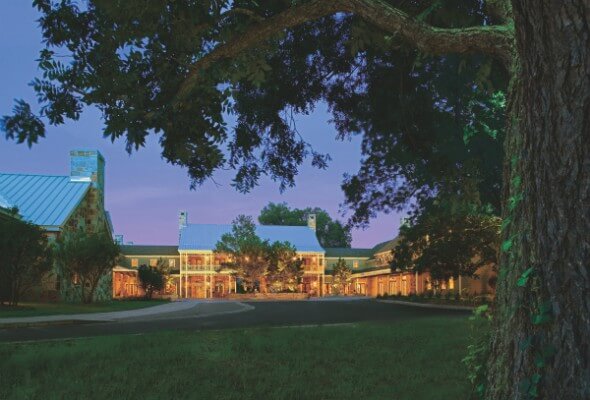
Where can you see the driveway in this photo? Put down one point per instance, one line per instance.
(227, 315)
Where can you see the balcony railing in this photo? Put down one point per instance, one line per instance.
(313, 268)
(205, 268)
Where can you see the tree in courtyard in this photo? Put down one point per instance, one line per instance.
(174, 68)
(151, 280)
(84, 259)
(285, 269)
(25, 258)
(330, 232)
(342, 276)
(448, 242)
(247, 253)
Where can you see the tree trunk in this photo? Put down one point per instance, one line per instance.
(541, 339)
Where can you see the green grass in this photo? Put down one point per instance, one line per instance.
(40, 309)
(414, 359)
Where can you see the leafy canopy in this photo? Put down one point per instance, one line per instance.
(330, 232)
(25, 257)
(132, 59)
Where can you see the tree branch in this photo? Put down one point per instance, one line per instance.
(496, 40)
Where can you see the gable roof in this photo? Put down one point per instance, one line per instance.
(386, 246)
(206, 236)
(149, 250)
(348, 252)
(43, 200)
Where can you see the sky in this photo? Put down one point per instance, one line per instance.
(143, 193)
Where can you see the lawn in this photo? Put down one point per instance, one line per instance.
(39, 309)
(414, 359)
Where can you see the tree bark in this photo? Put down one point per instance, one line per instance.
(541, 339)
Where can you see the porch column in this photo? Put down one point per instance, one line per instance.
(180, 278)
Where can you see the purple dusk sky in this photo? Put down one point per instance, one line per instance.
(143, 192)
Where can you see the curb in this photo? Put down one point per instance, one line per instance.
(38, 324)
(15, 325)
(426, 305)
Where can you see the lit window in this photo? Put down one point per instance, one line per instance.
(134, 262)
(355, 264)
(451, 283)
(172, 262)
(153, 262)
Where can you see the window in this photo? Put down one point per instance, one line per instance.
(451, 283)
(134, 262)
(172, 262)
(153, 262)
(355, 264)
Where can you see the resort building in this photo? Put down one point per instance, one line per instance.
(196, 271)
(125, 279)
(200, 273)
(60, 203)
(372, 274)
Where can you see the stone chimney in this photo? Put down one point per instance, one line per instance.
(88, 166)
(311, 222)
(182, 219)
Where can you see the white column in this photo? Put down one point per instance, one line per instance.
(180, 280)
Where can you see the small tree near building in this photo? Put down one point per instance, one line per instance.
(84, 259)
(285, 269)
(151, 280)
(25, 258)
(342, 276)
(248, 253)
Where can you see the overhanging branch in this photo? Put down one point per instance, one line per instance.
(496, 40)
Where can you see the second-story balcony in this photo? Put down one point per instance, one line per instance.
(200, 268)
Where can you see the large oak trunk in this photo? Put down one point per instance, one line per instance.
(541, 338)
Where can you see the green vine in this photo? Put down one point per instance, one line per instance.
(541, 310)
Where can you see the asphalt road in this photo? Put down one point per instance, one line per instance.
(263, 314)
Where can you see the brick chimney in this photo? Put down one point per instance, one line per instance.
(311, 222)
(182, 219)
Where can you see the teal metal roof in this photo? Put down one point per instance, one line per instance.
(4, 203)
(206, 236)
(348, 252)
(44, 200)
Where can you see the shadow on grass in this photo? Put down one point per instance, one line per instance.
(414, 359)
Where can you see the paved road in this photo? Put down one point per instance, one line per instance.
(257, 314)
